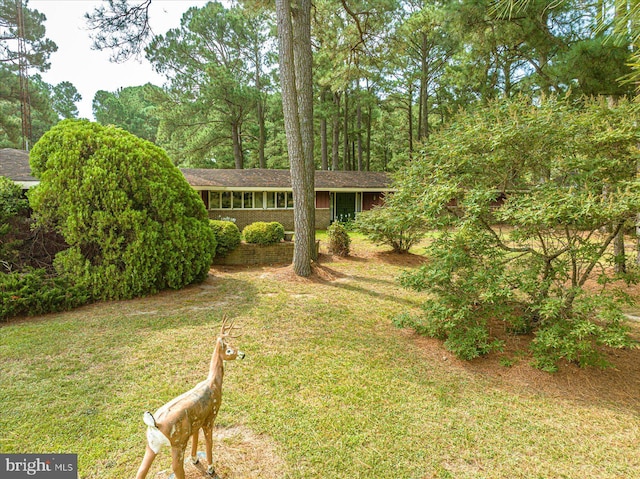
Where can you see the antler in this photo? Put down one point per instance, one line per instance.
(226, 328)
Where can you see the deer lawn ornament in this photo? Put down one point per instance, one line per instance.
(183, 417)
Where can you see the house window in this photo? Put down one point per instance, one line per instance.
(226, 200)
(237, 200)
(214, 200)
(259, 200)
(247, 199)
(250, 200)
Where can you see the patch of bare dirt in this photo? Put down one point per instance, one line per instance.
(512, 369)
(321, 273)
(238, 453)
(400, 259)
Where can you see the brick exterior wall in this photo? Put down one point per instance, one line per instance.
(284, 217)
(323, 218)
(246, 217)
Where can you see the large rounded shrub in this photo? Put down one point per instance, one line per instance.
(133, 223)
(227, 236)
(263, 233)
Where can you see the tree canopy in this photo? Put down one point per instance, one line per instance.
(38, 47)
(47, 103)
(131, 108)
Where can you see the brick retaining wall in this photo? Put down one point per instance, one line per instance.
(247, 253)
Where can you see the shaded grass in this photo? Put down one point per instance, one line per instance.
(339, 390)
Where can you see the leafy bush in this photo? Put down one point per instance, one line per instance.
(339, 240)
(263, 233)
(13, 209)
(227, 236)
(133, 223)
(34, 292)
(391, 226)
(529, 199)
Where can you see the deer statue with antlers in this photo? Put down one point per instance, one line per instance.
(183, 417)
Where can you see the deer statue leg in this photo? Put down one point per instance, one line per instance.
(194, 448)
(208, 437)
(149, 456)
(177, 461)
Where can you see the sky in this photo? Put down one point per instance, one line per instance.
(90, 70)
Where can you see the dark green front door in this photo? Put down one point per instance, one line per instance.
(345, 206)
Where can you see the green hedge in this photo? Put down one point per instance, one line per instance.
(263, 233)
(35, 292)
(227, 235)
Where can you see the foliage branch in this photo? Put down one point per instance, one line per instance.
(391, 225)
(528, 199)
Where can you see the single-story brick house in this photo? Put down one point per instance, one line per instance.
(266, 195)
(255, 194)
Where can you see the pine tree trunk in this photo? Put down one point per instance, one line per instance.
(410, 119)
(260, 113)
(359, 139)
(423, 117)
(294, 46)
(303, 56)
(345, 133)
(335, 145)
(262, 136)
(323, 134)
(369, 138)
(620, 263)
(237, 146)
(638, 239)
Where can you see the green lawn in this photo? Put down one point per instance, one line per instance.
(329, 388)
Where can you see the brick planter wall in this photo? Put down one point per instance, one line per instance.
(246, 254)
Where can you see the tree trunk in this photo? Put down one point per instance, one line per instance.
(303, 57)
(423, 118)
(638, 239)
(620, 263)
(237, 146)
(359, 126)
(260, 112)
(369, 138)
(335, 145)
(506, 71)
(323, 133)
(294, 40)
(410, 118)
(262, 136)
(345, 133)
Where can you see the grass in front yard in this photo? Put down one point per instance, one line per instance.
(329, 387)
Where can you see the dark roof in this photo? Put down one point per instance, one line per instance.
(14, 164)
(262, 178)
